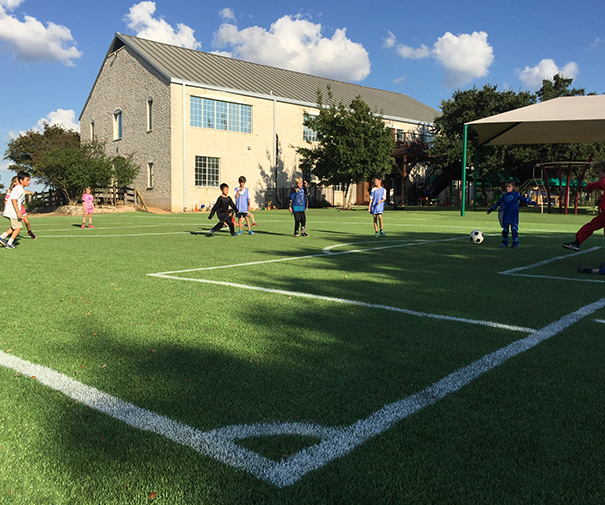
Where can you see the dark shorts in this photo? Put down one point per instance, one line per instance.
(242, 214)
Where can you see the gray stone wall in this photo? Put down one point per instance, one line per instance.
(126, 82)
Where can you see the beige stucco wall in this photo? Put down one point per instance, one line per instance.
(125, 82)
(248, 154)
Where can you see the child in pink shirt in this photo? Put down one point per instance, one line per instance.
(87, 203)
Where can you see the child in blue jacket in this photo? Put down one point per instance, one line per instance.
(508, 214)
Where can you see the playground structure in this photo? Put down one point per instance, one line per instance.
(552, 182)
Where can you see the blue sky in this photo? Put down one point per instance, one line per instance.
(51, 51)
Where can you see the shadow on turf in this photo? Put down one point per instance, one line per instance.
(234, 356)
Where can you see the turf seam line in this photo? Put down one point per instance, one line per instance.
(335, 442)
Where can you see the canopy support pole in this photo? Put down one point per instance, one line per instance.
(463, 199)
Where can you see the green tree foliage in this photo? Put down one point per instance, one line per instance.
(508, 160)
(26, 151)
(470, 105)
(353, 144)
(57, 159)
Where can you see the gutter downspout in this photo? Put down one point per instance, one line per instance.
(184, 151)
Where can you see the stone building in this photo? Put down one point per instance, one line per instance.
(194, 120)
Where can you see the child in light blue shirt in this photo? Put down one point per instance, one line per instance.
(378, 196)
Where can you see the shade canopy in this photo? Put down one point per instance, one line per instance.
(568, 119)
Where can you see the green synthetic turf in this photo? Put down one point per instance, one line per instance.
(81, 302)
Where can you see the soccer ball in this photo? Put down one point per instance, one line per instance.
(477, 236)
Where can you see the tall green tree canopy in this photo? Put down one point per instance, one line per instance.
(508, 160)
(57, 159)
(353, 143)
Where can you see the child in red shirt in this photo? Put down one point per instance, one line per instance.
(599, 221)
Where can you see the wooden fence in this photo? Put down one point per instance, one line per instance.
(54, 198)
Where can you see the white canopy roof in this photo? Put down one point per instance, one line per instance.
(568, 119)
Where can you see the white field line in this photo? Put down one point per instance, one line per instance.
(513, 271)
(345, 301)
(325, 252)
(334, 442)
(545, 262)
(599, 321)
(118, 235)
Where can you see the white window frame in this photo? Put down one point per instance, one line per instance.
(118, 127)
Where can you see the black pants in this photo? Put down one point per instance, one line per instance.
(300, 219)
(222, 222)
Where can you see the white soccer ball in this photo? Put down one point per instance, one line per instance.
(477, 236)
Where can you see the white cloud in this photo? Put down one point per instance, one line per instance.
(464, 57)
(31, 40)
(399, 80)
(297, 44)
(227, 13)
(532, 77)
(62, 117)
(140, 19)
(406, 51)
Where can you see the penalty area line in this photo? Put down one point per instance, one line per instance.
(345, 301)
(334, 442)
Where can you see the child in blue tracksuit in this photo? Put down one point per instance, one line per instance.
(299, 203)
(508, 214)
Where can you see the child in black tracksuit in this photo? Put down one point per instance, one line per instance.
(221, 208)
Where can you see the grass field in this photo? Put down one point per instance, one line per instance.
(144, 361)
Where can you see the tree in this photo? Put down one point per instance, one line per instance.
(26, 150)
(508, 160)
(470, 105)
(57, 159)
(353, 144)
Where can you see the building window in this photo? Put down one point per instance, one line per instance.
(207, 171)
(92, 130)
(308, 134)
(341, 187)
(117, 124)
(149, 114)
(218, 115)
(150, 175)
(307, 175)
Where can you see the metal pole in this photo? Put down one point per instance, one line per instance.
(475, 179)
(463, 200)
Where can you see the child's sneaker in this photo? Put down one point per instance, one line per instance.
(9, 246)
(254, 224)
(250, 232)
(382, 233)
(515, 246)
(83, 226)
(584, 270)
(32, 235)
(211, 233)
(304, 234)
(240, 232)
(3, 242)
(376, 234)
(296, 234)
(90, 226)
(574, 246)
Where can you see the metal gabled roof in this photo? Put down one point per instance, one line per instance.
(221, 72)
